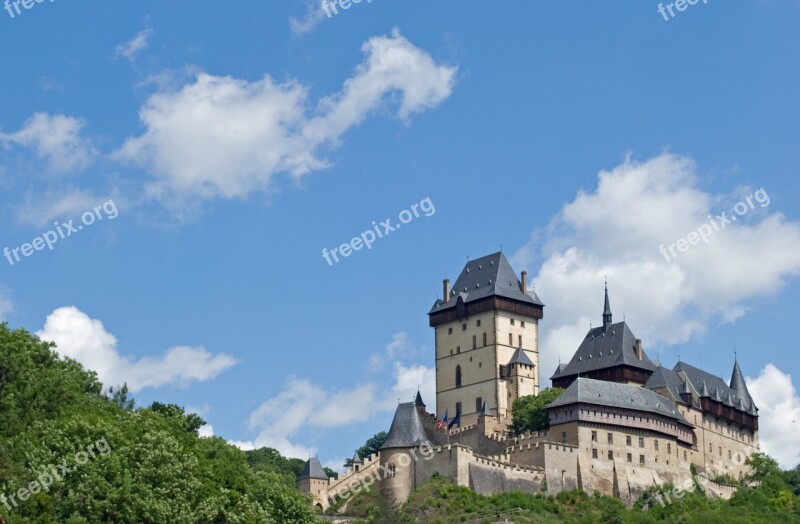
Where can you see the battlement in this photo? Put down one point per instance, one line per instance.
(370, 463)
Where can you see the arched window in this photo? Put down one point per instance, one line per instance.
(458, 376)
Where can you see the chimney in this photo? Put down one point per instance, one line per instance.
(639, 348)
(445, 290)
(524, 281)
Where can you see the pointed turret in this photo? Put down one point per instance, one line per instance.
(418, 402)
(738, 385)
(704, 392)
(607, 312)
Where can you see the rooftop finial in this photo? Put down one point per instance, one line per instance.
(607, 311)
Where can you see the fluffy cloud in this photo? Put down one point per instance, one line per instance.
(222, 137)
(779, 414)
(138, 43)
(617, 230)
(55, 138)
(85, 339)
(302, 405)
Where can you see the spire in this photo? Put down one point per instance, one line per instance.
(607, 311)
(737, 383)
(418, 402)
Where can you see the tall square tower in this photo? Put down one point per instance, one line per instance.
(487, 340)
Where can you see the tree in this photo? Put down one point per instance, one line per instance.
(370, 447)
(530, 413)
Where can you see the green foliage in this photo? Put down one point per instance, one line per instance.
(530, 413)
(370, 447)
(148, 465)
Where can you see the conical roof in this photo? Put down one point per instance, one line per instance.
(418, 401)
(357, 459)
(738, 384)
(313, 470)
(407, 430)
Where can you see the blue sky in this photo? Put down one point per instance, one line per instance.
(238, 142)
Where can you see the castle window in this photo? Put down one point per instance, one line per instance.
(510, 339)
(594, 453)
(463, 327)
(641, 442)
(474, 341)
(684, 455)
(520, 340)
(484, 339)
(392, 470)
(564, 437)
(610, 438)
(628, 440)
(458, 407)
(669, 448)
(720, 451)
(610, 455)
(451, 352)
(710, 448)
(729, 455)
(656, 444)
(522, 323)
(480, 364)
(458, 349)
(478, 322)
(630, 457)
(458, 376)
(478, 404)
(641, 460)
(512, 321)
(594, 436)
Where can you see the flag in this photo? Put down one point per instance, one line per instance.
(442, 422)
(456, 420)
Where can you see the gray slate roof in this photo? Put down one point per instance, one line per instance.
(603, 349)
(407, 430)
(738, 385)
(313, 469)
(520, 357)
(715, 386)
(559, 371)
(613, 394)
(668, 378)
(487, 276)
(357, 459)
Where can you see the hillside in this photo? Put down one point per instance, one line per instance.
(69, 453)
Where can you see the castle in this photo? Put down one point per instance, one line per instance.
(623, 424)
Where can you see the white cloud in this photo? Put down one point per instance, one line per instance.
(779, 415)
(400, 347)
(222, 137)
(56, 138)
(303, 405)
(138, 43)
(85, 339)
(43, 209)
(616, 230)
(206, 430)
(313, 16)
